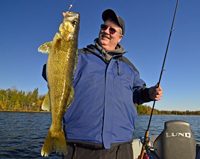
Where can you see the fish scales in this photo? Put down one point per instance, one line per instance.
(61, 65)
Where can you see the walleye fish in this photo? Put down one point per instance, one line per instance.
(61, 65)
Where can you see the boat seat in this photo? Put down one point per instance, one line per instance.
(176, 141)
(198, 151)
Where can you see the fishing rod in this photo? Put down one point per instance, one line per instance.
(147, 131)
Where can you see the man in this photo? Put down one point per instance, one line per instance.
(99, 124)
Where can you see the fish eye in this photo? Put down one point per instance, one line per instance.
(74, 22)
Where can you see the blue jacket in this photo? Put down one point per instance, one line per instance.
(103, 113)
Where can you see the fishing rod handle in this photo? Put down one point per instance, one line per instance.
(143, 147)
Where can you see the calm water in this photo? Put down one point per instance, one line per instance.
(22, 134)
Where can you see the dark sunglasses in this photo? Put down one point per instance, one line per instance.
(111, 30)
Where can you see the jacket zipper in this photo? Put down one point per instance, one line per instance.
(117, 67)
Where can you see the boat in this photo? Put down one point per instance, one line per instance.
(176, 141)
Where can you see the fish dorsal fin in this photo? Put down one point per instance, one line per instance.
(46, 47)
(46, 103)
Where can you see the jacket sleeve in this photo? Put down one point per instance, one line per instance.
(140, 91)
(144, 94)
(44, 75)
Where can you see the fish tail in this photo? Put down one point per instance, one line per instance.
(60, 143)
(54, 140)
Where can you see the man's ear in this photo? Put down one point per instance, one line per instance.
(120, 38)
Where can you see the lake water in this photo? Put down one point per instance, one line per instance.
(22, 134)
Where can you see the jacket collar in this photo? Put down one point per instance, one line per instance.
(109, 54)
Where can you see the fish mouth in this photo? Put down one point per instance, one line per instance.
(59, 34)
(70, 36)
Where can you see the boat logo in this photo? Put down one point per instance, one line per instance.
(178, 134)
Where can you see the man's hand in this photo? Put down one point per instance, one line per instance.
(155, 93)
(63, 13)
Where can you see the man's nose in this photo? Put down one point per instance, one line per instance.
(107, 30)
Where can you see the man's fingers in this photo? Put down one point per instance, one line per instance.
(63, 13)
(158, 93)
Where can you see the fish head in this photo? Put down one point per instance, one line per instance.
(69, 28)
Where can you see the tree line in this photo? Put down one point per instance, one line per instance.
(146, 110)
(12, 99)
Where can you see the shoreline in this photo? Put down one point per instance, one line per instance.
(25, 111)
(50, 112)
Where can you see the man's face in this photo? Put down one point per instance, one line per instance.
(107, 39)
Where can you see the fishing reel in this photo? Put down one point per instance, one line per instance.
(147, 143)
(148, 147)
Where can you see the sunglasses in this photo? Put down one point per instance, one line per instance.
(111, 30)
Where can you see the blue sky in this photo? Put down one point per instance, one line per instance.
(26, 24)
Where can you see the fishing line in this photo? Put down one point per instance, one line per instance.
(147, 131)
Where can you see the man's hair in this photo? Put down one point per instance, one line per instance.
(120, 31)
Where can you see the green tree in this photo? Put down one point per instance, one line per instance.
(34, 95)
(28, 100)
(22, 97)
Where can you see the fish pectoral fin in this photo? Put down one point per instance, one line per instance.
(46, 103)
(70, 99)
(45, 48)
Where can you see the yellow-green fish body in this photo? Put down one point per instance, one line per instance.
(61, 65)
